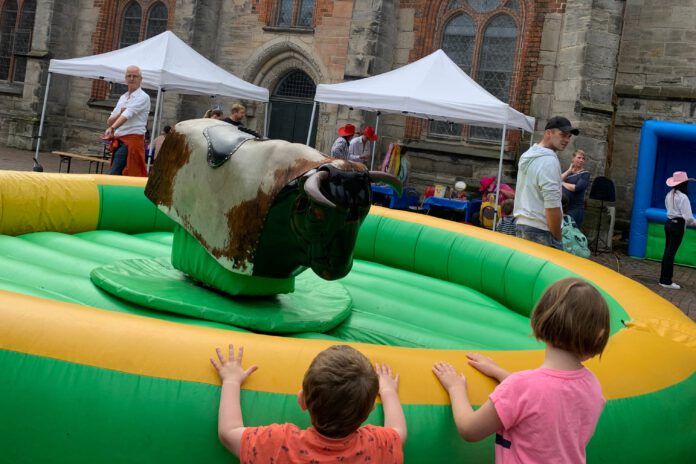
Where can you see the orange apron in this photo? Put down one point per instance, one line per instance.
(135, 163)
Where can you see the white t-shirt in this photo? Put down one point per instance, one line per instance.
(137, 107)
(358, 150)
(678, 206)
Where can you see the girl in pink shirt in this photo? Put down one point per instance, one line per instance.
(547, 414)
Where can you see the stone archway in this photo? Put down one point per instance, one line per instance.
(290, 69)
(291, 108)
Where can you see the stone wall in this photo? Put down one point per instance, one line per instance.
(656, 79)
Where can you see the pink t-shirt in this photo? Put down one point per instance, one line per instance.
(548, 415)
(288, 444)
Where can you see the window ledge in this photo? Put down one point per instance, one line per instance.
(102, 104)
(12, 88)
(291, 29)
(458, 148)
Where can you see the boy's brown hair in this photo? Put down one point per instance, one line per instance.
(508, 206)
(573, 316)
(339, 388)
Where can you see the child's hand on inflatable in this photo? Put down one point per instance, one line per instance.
(449, 377)
(231, 370)
(487, 366)
(387, 380)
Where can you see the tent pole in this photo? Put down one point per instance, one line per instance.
(311, 122)
(37, 166)
(500, 173)
(374, 144)
(154, 132)
(266, 118)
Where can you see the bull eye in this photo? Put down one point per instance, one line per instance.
(317, 213)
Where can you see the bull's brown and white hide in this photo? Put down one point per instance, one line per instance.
(225, 208)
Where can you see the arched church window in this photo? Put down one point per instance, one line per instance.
(157, 20)
(140, 20)
(295, 13)
(481, 37)
(16, 31)
(130, 25)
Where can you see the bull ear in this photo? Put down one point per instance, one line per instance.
(311, 188)
(393, 182)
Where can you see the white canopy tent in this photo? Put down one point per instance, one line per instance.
(433, 87)
(167, 63)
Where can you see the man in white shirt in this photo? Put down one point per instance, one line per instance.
(126, 128)
(359, 149)
(538, 199)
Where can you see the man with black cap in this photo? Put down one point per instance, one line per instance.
(538, 200)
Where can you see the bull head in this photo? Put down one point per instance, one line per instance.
(326, 208)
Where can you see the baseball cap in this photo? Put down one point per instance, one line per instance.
(559, 122)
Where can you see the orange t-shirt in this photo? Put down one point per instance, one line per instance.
(287, 443)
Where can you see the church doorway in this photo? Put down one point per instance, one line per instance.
(291, 108)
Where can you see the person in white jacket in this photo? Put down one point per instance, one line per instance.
(538, 200)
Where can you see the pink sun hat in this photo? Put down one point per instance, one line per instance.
(678, 177)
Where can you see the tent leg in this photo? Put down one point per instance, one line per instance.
(266, 119)
(154, 132)
(500, 173)
(374, 144)
(311, 122)
(37, 167)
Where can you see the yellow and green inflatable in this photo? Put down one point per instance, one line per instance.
(86, 376)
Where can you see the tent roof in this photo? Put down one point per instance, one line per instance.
(165, 61)
(433, 87)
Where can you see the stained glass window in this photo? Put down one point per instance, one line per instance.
(295, 13)
(157, 20)
(482, 6)
(285, 12)
(306, 15)
(484, 45)
(16, 31)
(8, 22)
(130, 25)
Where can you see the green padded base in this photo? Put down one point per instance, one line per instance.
(316, 305)
(655, 247)
(189, 256)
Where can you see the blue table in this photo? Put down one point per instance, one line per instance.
(387, 196)
(450, 206)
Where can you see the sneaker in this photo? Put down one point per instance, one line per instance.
(672, 285)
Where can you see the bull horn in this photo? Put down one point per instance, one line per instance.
(393, 182)
(311, 188)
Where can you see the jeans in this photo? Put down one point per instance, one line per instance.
(120, 156)
(533, 234)
(674, 233)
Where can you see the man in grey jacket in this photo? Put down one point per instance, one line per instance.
(538, 200)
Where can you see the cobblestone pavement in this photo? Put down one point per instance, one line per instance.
(644, 271)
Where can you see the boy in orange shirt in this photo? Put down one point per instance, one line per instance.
(339, 390)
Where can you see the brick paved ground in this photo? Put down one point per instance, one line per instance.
(644, 271)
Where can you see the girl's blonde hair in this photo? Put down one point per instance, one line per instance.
(573, 316)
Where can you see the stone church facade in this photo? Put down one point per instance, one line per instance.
(607, 65)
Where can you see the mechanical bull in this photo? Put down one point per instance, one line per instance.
(261, 209)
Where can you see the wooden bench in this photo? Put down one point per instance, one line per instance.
(67, 157)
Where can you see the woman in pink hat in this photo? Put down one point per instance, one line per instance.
(339, 149)
(678, 217)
